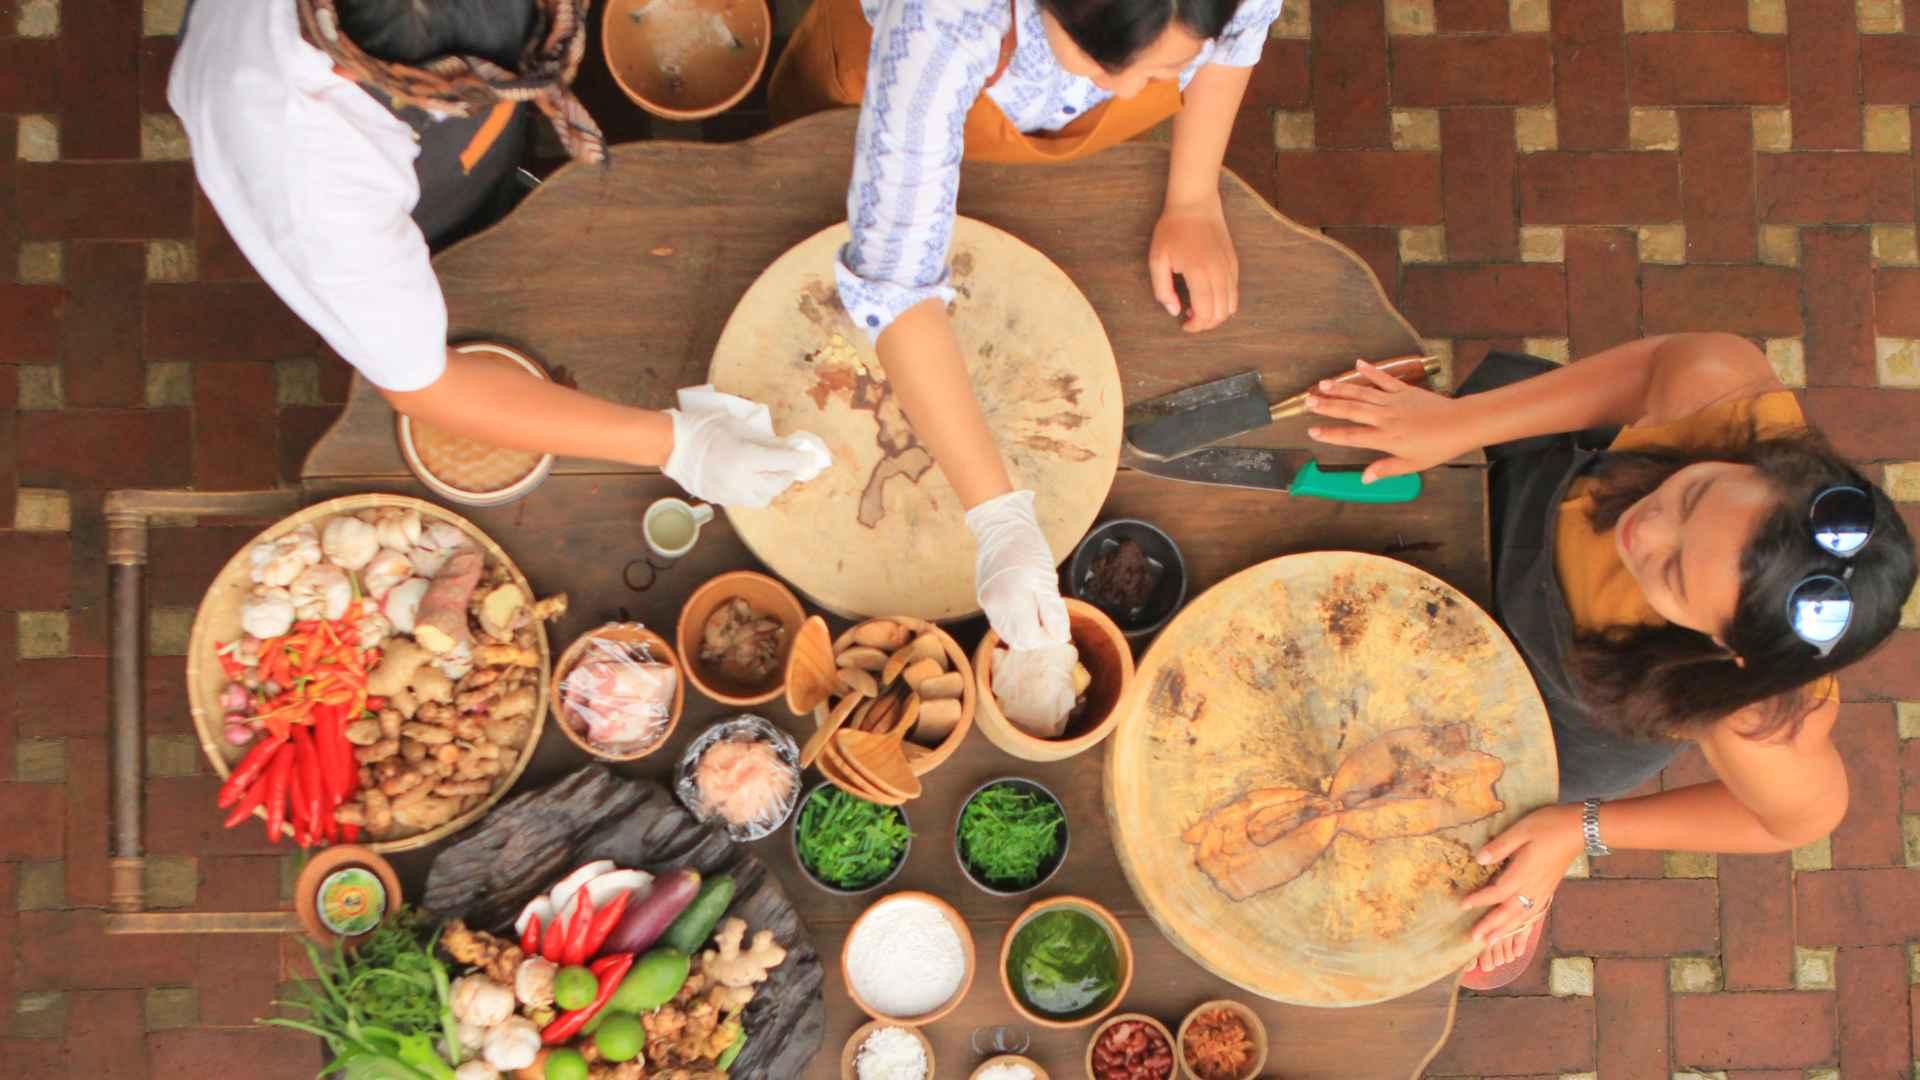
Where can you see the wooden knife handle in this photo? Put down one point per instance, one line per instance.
(1412, 370)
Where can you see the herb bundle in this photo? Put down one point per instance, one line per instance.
(1007, 833)
(847, 841)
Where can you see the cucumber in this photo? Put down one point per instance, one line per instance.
(732, 1053)
(693, 928)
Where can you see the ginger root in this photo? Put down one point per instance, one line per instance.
(506, 656)
(429, 683)
(399, 661)
(730, 965)
(500, 959)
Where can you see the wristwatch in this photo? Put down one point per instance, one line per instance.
(1590, 827)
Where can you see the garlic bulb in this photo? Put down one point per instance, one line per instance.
(321, 592)
(385, 570)
(533, 982)
(279, 562)
(472, 1036)
(512, 1044)
(477, 1070)
(402, 604)
(267, 612)
(480, 1001)
(348, 542)
(438, 543)
(397, 528)
(373, 627)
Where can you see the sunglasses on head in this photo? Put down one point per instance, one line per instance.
(1820, 607)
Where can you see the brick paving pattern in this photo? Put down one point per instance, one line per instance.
(1551, 175)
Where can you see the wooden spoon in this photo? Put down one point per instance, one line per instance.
(880, 758)
(836, 717)
(810, 667)
(831, 767)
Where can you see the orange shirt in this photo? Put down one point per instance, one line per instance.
(1600, 591)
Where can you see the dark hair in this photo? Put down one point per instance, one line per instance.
(415, 31)
(1668, 681)
(1113, 32)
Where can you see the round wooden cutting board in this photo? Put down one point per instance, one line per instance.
(882, 532)
(1307, 761)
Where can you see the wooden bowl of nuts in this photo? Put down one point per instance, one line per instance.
(1131, 1045)
(736, 633)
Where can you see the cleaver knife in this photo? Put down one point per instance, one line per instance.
(1186, 420)
(1291, 471)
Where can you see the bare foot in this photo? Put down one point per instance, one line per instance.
(1500, 951)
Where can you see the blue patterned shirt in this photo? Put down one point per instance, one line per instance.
(929, 63)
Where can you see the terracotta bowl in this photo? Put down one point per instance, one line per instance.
(1009, 1059)
(1108, 658)
(966, 945)
(766, 596)
(1140, 1018)
(1255, 1028)
(1122, 947)
(686, 59)
(852, 1052)
(629, 634)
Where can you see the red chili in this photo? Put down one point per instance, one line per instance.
(350, 833)
(251, 801)
(249, 769)
(308, 762)
(610, 970)
(297, 806)
(603, 923)
(277, 784)
(530, 938)
(228, 664)
(575, 951)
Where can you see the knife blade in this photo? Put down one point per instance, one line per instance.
(1293, 472)
(1186, 420)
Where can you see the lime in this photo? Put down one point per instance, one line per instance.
(574, 988)
(566, 1065)
(620, 1038)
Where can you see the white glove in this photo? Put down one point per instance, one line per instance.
(725, 451)
(1035, 687)
(1014, 573)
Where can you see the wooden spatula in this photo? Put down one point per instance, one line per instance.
(810, 667)
(830, 767)
(835, 717)
(880, 758)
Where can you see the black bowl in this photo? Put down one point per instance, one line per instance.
(1169, 571)
(793, 841)
(1047, 868)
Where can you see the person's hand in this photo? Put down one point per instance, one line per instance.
(1537, 850)
(1192, 240)
(725, 451)
(1014, 573)
(1418, 427)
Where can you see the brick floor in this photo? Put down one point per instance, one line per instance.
(1595, 170)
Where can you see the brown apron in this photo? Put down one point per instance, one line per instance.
(824, 66)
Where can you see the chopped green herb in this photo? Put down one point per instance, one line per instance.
(1007, 833)
(847, 841)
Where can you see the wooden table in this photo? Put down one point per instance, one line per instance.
(623, 279)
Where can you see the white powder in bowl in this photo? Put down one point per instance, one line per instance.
(906, 959)
(1009, 1071)
(891, 1053)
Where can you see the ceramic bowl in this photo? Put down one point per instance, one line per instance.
(766, 596)
(686, 59)
(1169, 589)
(1047, 868)
(1122, 947)
(1009, 1059)
(1108, 657)
(851, 1053)
(1255, 1028)
(966, 947)
(793, 840)
(630, 634)
(1138, 1018)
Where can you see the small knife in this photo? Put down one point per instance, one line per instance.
(1291, 471)
(1186, 420)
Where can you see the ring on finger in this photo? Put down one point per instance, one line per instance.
(1526, 903)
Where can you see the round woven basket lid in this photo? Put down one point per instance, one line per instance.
(472, 473)
(1307, 761)
(882, 532)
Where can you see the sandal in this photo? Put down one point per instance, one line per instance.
(1476, 979)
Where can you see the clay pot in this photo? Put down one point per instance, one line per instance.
(1256, 1028)
(764, 595)
(858, 1039)
(1108, 658)
(686, 59)
(626, 634)
(1138, 1018)
(1122, 948)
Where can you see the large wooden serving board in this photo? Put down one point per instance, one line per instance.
(1309, 757)
(1044, 374)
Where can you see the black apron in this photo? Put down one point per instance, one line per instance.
(1527, 482)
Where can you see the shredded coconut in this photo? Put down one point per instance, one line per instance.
(1005, 1072)
(906, 958)
(891, 1053)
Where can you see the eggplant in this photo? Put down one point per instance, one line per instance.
(647, 917)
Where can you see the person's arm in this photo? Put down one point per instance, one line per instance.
(928, 376)
(1191, 237)
(503, 406)
(1772, 795)
(1651, 381)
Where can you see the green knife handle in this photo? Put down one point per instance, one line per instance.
(1346, 486)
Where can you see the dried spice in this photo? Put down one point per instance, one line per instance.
(1122, 578)
(1218, 1045)
(1132, 1050)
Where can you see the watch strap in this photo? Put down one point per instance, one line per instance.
(1590, 828)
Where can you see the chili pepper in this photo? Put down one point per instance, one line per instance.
(350, 833)
(228, 664)
(308, 763)
(530, 938)
(249, 769)
(242, 810)
(610, 970)
(603, 923)
(574, 951)
(553, 938)
(277, 783)
(326, 729)
(375, 703)
(297, 802)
